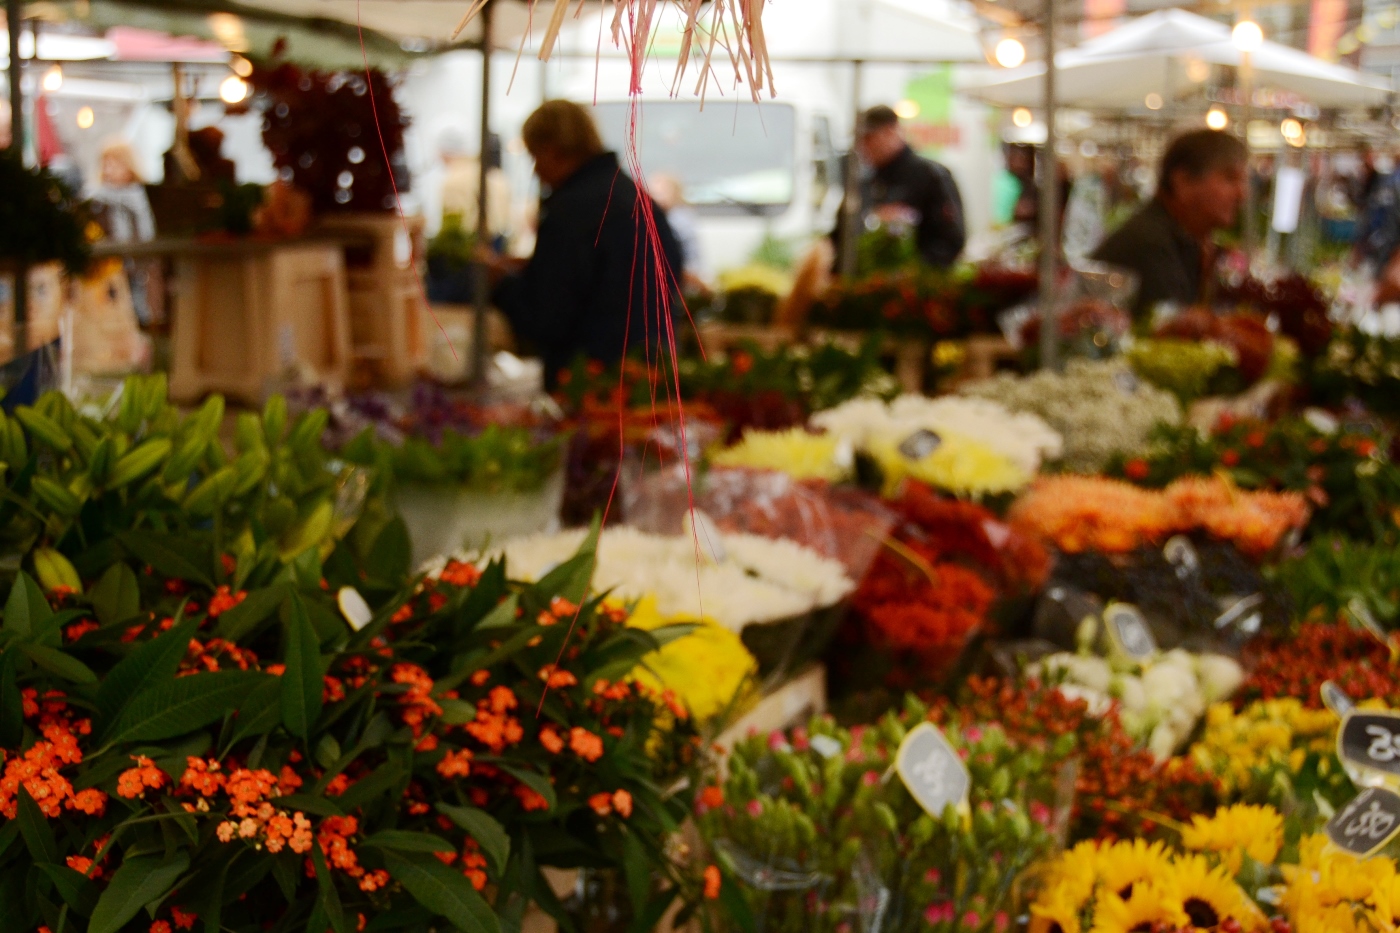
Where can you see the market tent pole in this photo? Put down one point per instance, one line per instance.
(481, 300)
(13, 11)
(1049, 205)
(850, 205)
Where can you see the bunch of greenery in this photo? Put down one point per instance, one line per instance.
(41, 218)
(496, 459)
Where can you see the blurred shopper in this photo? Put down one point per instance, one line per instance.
(1168, 243)
(606, 262)
(906, 188)
(124, 213)
(667, 191)
(1377, 247)
(462, 176)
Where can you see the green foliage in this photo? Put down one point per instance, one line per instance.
(1335, 571)
(498, 459)
(41, 219)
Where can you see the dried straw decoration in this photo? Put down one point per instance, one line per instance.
(734, 28)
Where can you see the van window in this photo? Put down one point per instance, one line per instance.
(731, 158)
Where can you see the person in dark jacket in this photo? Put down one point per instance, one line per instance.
(602, 280)
(907, 188)
(1168, 243)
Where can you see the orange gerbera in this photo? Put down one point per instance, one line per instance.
(585, 744)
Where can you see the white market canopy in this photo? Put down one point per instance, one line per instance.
(1169, 53)
(56, 47)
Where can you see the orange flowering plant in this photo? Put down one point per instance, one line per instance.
(201, 725)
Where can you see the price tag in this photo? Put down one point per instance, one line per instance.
(931, 769)
(1321, 421)
(920, 444)
(1358, 610)
(1181, 554)
(1336, 699)
(1366, 824)
(353, 607)
(1237, 613)
(1371, 740)
(1129, 632)
(1128, 382)
(825, 745)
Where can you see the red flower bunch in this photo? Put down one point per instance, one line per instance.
(1298, 665)
(965, 531)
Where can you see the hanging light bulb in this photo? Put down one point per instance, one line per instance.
(1010, 53)
(1216, 119)
(1291, 129)
(906, 109)
(85, 118)
(233, 89)
(1153, 101)
(241, 66)
(53, 78)
(1247, 36)
(1021, 117)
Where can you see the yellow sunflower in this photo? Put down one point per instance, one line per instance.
(1385, 904)
(1208, 896)
(1124, 864)
(1146, 909)
(1236, 831)
(1057, 910)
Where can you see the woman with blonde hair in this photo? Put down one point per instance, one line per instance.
(124, 212)
(602, 280)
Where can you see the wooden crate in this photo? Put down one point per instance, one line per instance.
(245, 315)
(388, 317)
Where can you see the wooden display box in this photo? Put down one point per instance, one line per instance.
(387, 302)
(247, 312)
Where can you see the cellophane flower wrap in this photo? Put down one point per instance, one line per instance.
(811, 830)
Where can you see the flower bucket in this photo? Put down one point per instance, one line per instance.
(443, 519)
(785, 646)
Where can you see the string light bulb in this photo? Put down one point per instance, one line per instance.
(233, 89)
(1247, 36)
(53, 78)
(1010, 53)
(85, 118)
(1216, 119)
(1291, 129)
(241, 66)
(906, 109)
(1021, 117)
(1153, 101)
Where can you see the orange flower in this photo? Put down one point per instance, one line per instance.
(203, 777)
(474, 866)
(79, 629)
(402, 614)
(79, 864)
(622, 803)
(585, 744)
(134, 782)
(222, 601)
(674, 704)
(90, 801)
(480, 677)
(713, 880)
(529, 799)
(563, 609)
(556, 679)
(374, 880)
(712, 797)
(601, 803)
(459, 573)
(184, 919)
(546, 619)
(456, 764)
(549, 738)
(160, 926)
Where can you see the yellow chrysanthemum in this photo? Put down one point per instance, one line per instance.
(1057, 911)
(1208, 896)
(795, 452)
(1143, 911)
(1243, 749)
(1384, 904)
(1236, 831)
(1124, 864)
(708, 670)
(960, 466)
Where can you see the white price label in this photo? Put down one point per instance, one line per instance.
(932, 770)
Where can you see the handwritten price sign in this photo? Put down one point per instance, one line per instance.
(1128, 631)
(1371, 740)
(931, 769)
(1366, 824)
(920, 444)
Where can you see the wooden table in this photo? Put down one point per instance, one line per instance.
(246, 311)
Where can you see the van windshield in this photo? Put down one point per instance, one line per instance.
(729, 157)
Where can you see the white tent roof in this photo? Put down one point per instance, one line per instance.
(56, 47)
(1162, 52)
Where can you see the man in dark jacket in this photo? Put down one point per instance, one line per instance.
(906, 188)
(1168, 244)
(602, 280)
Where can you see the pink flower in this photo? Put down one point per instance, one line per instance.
(973, 734)
(1001, 921)
(777, 741)
(870, 778)
(1040, 813)
(799, 739)
(939, 913)
(934, 876)
(971, 920)
(755, 808)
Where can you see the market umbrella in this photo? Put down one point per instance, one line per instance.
(1169, 53)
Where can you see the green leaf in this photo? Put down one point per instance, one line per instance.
(379, 781)
(183, 705)
(241, 620)
(77, 891)
(153, 663)
(302, 680)
(11, 704)
(483, 827)
(261, 712)
(59, 664)
(572, 578)
(166, 554)
(310, 803)
(391, 557)
(38, 836)
(329, 900)
(117, 595)
(26, 609)
(537, 782)
(136, 883)
(636, 868)
(403, 840)
(442, 890)
(502, 615)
